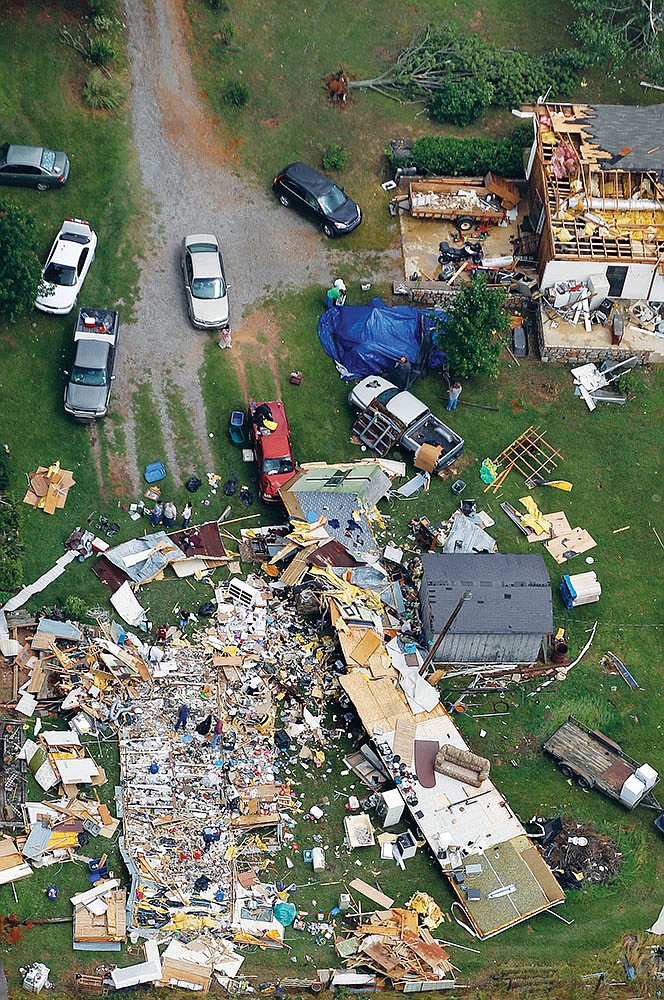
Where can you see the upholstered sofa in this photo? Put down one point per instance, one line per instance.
(461, 765)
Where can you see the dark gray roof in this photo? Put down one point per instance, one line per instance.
(615, 127)
(511, 594)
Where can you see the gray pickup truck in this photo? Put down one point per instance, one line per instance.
(89, 384)
(390, 416)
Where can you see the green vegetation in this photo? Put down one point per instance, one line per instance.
(235, 93)
(335, 157)
(469, 157)
(102, 92)
(471, 333)
(12, 548)
(20, 269)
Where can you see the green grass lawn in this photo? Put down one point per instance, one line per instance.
(612, 456)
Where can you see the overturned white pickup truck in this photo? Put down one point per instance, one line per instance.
(390, 416)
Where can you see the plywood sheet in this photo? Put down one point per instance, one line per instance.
(404, 739)
(358, 885)
(571, 544)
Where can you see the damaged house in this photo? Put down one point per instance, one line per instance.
(597, 204)
(508, 617)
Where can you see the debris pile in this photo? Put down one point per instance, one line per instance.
(580, 853)
(48, 488)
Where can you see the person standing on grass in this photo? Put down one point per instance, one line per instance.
(156, 514)
(453, 394)
(186, 515)
(184, 619)
(181, 718)
(170, 513)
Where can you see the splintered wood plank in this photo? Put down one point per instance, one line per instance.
(359, 885)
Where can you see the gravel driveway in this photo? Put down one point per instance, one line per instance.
(182, 161)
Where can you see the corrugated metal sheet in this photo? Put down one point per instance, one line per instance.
(488, 648)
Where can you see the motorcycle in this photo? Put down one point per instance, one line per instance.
(457, 255)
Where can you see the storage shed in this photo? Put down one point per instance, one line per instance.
(508, 618)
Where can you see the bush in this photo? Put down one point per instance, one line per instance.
(226, 33)
(101, 51)
(20, 268)
(11, 574)
(235, 93)
(76, 608)
(439, 155)
(335, 157)
(219, 5)
(11, 546)
(102, 92)
(461, 101)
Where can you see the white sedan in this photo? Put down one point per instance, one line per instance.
(66, 267)
(205, 282)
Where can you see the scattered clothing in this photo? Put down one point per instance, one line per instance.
(156, 514)
(181, 718)
(170, 513)
(453, 393)
(186, 515)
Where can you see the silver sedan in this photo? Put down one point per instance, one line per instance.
(205, 282)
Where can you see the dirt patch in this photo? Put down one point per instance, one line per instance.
(121, 482)
(95, 448)
(246, 347)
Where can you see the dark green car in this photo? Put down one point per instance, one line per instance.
(33, 166)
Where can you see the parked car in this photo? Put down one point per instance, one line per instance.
(89, 386)
(390, 416)
(205, 282)
(313, 194)
(33, 166)
(66, 267)
(272, 447)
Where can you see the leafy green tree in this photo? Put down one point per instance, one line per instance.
(471, 335)
(611, 29)
(20, 270)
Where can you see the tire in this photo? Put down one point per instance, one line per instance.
(284, 200)
(566, 771)
(464, 224)
(328, 230)
(584, 783)
(42, 187)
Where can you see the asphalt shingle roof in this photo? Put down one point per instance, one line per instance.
(511, 594)
(616, 127)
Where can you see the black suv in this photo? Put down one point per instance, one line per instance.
(305, 189)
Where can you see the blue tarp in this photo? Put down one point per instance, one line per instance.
(373, 339)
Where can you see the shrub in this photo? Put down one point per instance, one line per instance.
(101, 51)
(335, 157)
(11, 574)
(97, 6)
(219, 5)
(102, 92)
(76, 608)
(226, 33)
(235, 93)
(11, 546)
(461, 101)
(20, 268)
(448, 156)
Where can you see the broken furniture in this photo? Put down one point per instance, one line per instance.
(48, 488)
(462, 765)
(593, 382)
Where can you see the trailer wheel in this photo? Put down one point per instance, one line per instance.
(584, 783)
(567, 771)
(464, 224)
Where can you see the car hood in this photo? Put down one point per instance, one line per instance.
(212, 311)
(270, 485)
(56, 298)
(86, 398)
(348, 212)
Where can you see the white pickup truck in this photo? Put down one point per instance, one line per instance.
(389, 416)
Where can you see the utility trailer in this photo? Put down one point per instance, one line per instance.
(595, 761)
(466, 201)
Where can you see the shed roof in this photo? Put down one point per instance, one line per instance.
(511, 594)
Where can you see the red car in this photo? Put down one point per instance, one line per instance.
(270, 437)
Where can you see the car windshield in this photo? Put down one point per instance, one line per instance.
(207, 288)
(88, 376)
(333, 199)
(60, 274)
(278, 466)
(48, 160)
